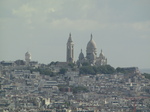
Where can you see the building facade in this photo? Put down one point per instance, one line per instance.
(70, 50)
(91, 55)
(27, 58)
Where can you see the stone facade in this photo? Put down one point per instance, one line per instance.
(91, 55)
(27, 57)
(70, 50)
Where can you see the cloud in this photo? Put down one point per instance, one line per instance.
(49, 10)
(77, 15)
(141, 26)
(74, 24)
(24, 11)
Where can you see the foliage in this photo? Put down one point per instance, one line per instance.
(79, 89)
(104, 69)
(63, 71)
(126, 70)
(120, 70)
(71, 65)
(74, 69)
(44, 71)
(86, 64)
(146, 75)
(53, 63)
(87, 70)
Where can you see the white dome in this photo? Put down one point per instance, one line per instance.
(101, 55)
(91, 46)
(27, 56)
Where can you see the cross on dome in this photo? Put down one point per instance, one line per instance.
(91, 36)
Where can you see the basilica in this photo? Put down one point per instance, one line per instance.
(91, 54)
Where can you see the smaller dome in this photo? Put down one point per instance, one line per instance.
(81, 55)
(101, 55)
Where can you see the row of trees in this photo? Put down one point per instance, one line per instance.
(104, 69)
(146, 75)
(85, 69)
(44, 71)
(47, 71)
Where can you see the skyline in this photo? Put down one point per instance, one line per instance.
(120, 28)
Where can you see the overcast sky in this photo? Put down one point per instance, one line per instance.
(120, 27)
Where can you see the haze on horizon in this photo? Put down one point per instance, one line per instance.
(121, 28)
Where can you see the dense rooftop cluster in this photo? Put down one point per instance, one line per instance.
(61, 87)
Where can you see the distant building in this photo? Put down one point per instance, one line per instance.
(27, 58)
(20, 62)
(7, 63)
(91, 55)
(70, 50)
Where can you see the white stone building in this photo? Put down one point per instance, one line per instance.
(91, 55)
(70, 50)
(27, 58)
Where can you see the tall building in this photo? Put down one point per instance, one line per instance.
(70, 50)
(91, 55)
(27, 58)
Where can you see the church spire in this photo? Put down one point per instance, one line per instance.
(70, 50)
(70, 39)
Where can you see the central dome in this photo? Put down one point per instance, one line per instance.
(91, 46)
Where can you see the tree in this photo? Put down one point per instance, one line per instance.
(104, 69)
(71, 65)
(86, 64)
(63, 71)
(87, 70)
(110, 69)
(120, 70)
(146, 75)
(79, 89)
(44, 71)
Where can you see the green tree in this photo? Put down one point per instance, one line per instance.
(63, 71)
(87, 70)
(146, 75)
(72, 65)
(110, 69)
(104, 69)
(120, 70)
(86, 64)
(79, 89)
(44, 71)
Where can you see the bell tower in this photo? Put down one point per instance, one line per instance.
(70, 50)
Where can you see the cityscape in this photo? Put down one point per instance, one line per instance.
(74, 56)
(86, 85)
